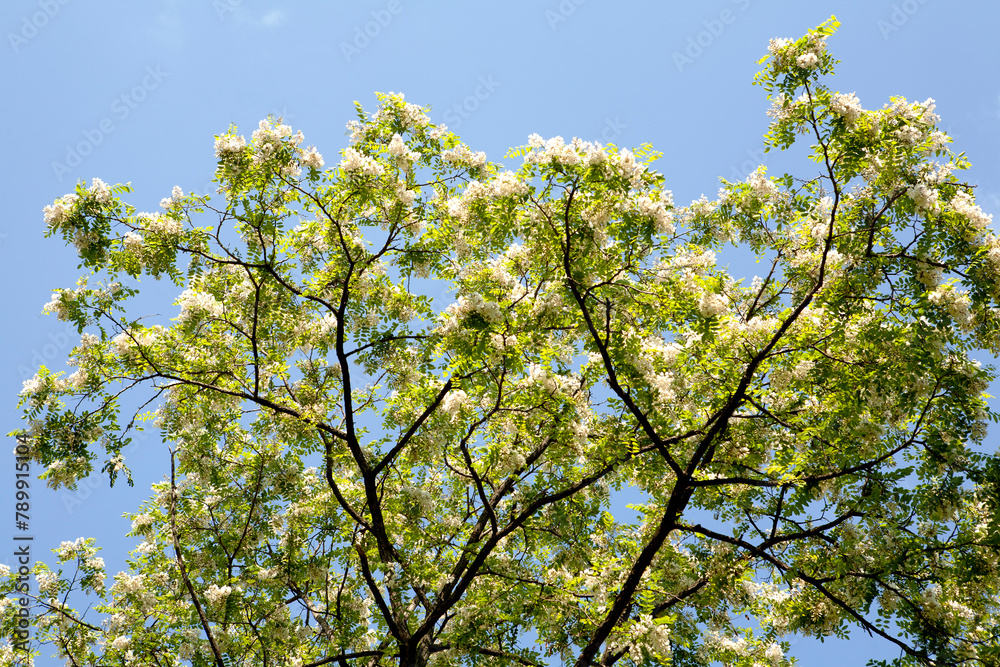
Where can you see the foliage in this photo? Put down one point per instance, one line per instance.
(360, 475)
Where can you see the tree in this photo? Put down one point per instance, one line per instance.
(360, 476)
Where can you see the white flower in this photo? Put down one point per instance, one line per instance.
(963, 204)
(310, 158)
(194, 303)
(158, 223)
(60, 211)
(807, 60)
(132, 243)
(711, 305)
(356, 162)
(461, 155)
(217, 594)
(507, 185)
(848, 106)
(762, 186)
(176, 195)
(228, 144)
(657, 210)
(32, 386)
(453, 402)
(924, 197)
(121, 643)
(141, 522)
(909, 135)
(99, 189)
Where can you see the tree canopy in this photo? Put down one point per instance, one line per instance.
(361, 473)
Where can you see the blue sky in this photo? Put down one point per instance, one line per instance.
(136, 91)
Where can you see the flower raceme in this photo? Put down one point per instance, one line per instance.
(399, 393)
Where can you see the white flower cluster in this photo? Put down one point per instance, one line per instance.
(176, 195)
(355, 162)
(99, 191)
(132, 244)
(763, 187)
(712, 305)
(60, 303)
(267, 135)
(420, 496)
(141, 522)
(963, 204)
(60, 211)
(216, 595)
(453, 402)
(924, 196)
(394, 105)
(60, 473)
(194, 304)
(657, 210)
(846, 105)
(956, 302)
(311, 158)
(644, 633)
(807, 60)
(405, 195)
(506, 184)
(157, 223)
(404, 156)
(908, 135)
(554, 151)
(551, 383)
(462, 155)
(229, 144)
(456, 312)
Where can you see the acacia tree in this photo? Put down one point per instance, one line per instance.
(359, 476)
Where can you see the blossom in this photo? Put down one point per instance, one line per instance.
(711, 305)
(132, 243)
(229, 144)
(846, 105)
(453, 402)
(60, 304)
(141, 522)
(60, 211)
(217, 594)
(462, 155)
(176, 195)
(194, 303)
(99, 190)
(657, 211)
(356, 162)
(761, 185)
(311, 158)
(807, 60)
(506, 184)
(158, 223)
(924, 197)
(963, 204)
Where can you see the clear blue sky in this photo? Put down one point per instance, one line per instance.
(135, 91)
